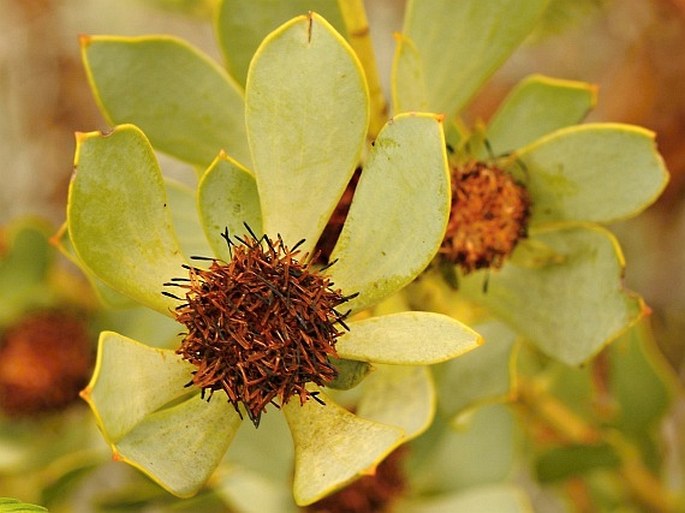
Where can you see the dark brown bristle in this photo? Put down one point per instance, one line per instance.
(261, 326)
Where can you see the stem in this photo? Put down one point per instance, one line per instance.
(357, 26)
(646, 488)
(556, 415)
(640, 481)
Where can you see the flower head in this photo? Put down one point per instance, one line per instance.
(263, 319)
(45, 360)
(488, 217)
(45, 344)
(261, 326)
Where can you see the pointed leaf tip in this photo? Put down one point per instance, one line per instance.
(117, 216)
(333, 447)
(300, 151)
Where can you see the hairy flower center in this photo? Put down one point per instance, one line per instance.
(44, 361)
(261, 326)
(488, 217)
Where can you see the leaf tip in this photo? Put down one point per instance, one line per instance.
(85, 393)
(55, 239)
(84, 40)
(370, 471)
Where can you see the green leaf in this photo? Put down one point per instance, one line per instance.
(131, 381)
(537, 106)
(460, 45)
(453, 459)
(495, 498)
(135, 393)
(179, 447)
(227, 198)
(598, 172)
(250, 492)
(27, 260)
(333, 447)
(641, 381)
(570, 309)
(142, 323)
(479, 376)
(188, 106)
(398, 214)
(306, 128)
(185, 218)
(562, 463)
(267, 451)
(407, 338)
(109, 297)
(399, 395)
(8, 505)
(408, 77)
(24, 269)
(257, 474)
(241, 25)
(118, 218)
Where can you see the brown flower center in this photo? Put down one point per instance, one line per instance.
(261, 326)
(368, 494)
(489, 216)
(45, 360)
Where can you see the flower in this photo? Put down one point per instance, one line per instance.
(488, 217)
(561, 287)
(45, 347)
(261, 326)
(122, 225)
(46, 356)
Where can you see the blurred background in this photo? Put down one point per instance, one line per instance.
(632, 49)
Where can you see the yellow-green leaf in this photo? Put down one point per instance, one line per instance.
(307, 115)
(537, 106)
(242, 24)
(399, 211)
(480, 376)
(185, 217)
(152, 420)
(227, 198)
(399, 395)
(569, 308)
(493, 498)
(118, 215)
(180, 447)
(131, 381)
(460, 44)
(599, 172)
(188, 105)
(408, 77)
(407, 338)
(333, 447)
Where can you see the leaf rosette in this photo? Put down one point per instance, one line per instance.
(306, 118)
(562, 286)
